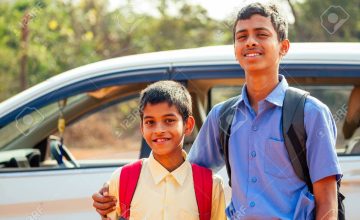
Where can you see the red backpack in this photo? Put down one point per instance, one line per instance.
(203, 182)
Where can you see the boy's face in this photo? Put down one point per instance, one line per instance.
(256, 45)
(163, 128)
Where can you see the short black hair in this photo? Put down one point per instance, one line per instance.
(271, 10)
(167, 91)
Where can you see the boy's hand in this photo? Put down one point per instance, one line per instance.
(103, 203)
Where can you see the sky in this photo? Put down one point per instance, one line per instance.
(217, 9)
(221, 9)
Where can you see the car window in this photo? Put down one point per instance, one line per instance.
(30, 119)
(334, 96)
(222, 93)
(111, 133)
(102, 127)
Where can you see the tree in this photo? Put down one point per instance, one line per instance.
(66, 34)
(325, 20)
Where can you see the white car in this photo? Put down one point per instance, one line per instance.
(98, 104)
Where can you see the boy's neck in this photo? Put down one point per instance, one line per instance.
(170, 161)
(259, 86)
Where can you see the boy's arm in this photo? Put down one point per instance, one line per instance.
(114, 191)
(205, 150)
(325, 193)
(103, 203)
(322, 159)
(218, 199)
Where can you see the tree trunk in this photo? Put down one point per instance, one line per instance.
(24, 50)
(298, 30)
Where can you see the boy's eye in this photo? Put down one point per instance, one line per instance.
(149, 122)
(263, 35)
(169, 120)
(240, 37)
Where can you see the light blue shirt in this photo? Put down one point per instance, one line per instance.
(264, 184)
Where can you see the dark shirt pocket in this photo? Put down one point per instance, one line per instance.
(277, 162)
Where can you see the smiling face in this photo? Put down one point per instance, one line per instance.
(164, 129)
(257, 48)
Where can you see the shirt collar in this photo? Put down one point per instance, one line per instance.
(242, 97)
(159, 172)
(276, 97)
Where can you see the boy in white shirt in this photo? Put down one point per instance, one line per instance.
(166, 186)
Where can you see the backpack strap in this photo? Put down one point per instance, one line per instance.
(203, 184)
(227, 113)
(129, 177)
(294, 132)
(295, 140)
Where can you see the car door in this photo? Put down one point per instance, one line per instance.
(101, 134)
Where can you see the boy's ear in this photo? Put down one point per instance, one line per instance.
(189, 125)
(285, 45)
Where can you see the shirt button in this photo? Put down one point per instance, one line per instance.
(255, 128)
(252, 204)
(253, 154)
(254, 179)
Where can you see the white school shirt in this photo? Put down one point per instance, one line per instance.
(164, 195)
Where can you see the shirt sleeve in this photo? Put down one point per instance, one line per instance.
(218, 199)
(321, 140)
(205, 150)
(114, 191)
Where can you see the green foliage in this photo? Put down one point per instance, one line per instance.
(65, 34)
(326, 20)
